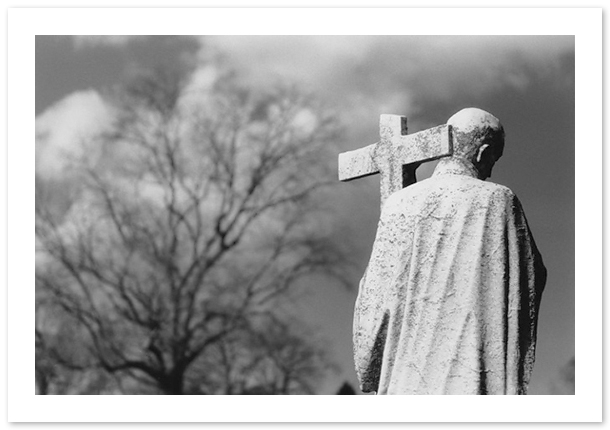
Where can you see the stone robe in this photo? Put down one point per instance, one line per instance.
(449, 301)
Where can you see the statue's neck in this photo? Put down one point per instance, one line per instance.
(455, 166)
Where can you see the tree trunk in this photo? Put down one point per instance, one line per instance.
(173, 384)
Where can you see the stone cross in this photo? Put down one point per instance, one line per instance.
(397, 155)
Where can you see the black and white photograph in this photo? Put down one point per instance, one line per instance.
(219, 215)
(193, 238)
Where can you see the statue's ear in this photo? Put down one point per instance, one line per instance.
(482, 152)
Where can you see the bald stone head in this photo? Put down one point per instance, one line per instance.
(478, 137)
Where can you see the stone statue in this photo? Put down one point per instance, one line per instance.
(449, 301)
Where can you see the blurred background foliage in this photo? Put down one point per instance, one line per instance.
(168, 267)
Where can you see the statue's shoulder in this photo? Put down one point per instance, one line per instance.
(459, 182)
(495, 189)
(411, 192)
(502, 197)
(460, 188)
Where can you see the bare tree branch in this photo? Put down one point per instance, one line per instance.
(187, 234)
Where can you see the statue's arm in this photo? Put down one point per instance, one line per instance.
(368, 353)
(528, 249)
(370, 329)
(371, 316)
(527, 281)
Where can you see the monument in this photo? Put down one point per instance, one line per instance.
(449, 301)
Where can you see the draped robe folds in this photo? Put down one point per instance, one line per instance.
(449, 301)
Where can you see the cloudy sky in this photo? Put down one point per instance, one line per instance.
(527, 82)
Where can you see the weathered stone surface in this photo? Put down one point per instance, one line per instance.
(449, 301)
(395, 150)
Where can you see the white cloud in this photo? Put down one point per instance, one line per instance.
(200, 82)
(394, 68)
(64, 130)
(365, 76)
(87, 41)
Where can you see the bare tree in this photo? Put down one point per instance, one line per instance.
(195, 218)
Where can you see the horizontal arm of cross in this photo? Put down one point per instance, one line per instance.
(358, 163)
(418, 147)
